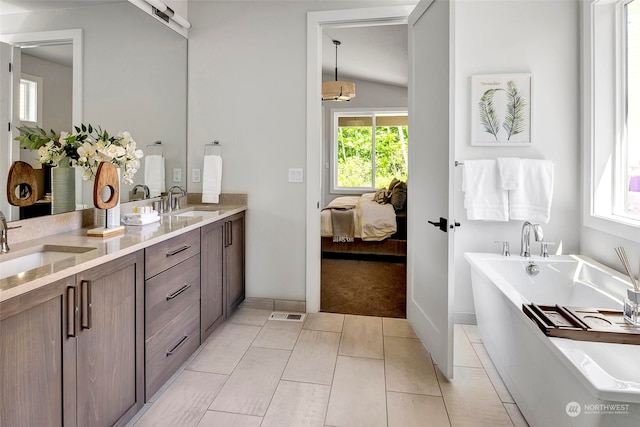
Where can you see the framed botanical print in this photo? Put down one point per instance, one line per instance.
(501, 110)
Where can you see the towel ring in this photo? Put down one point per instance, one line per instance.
(214, 148)
(156, 145)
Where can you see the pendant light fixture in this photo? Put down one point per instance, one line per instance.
(338, 90)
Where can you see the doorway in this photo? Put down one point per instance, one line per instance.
(316, 23)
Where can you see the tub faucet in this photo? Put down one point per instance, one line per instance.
(525, 249)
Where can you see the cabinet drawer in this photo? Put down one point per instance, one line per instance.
(171, 292)
(166, 254)
(170, 347)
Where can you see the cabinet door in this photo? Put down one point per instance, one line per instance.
(37, 357)
(212, 299)
(110, 345)
(234, 261)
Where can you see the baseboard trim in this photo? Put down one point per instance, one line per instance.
(465, 318)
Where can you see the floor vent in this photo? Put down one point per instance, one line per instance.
(290, 317)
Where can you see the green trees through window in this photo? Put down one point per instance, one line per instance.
(371, 150)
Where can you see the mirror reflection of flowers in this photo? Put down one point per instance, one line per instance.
(85, 149)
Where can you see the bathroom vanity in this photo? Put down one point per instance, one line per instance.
(87, 339)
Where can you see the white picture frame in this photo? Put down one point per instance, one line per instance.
(501, 106)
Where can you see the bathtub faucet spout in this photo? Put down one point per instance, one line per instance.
(525, 250)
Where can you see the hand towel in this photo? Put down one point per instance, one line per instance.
(510, 172)
(211, 179)
(484, 197)
(532, 201)
(154, 174)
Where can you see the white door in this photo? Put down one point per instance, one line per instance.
(9, 149)
(430, 248)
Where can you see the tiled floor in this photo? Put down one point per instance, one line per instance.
(333, 370)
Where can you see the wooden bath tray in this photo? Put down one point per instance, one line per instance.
(583, 324)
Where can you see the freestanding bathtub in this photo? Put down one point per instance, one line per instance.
(556, 381)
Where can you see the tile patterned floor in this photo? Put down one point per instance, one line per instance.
(332, 370)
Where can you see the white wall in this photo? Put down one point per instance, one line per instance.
(247, 88)
(368, 95)
(57, 81)
(541, 38)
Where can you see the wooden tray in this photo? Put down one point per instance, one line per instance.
(583, 324)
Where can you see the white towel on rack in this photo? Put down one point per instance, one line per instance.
(154, 174)
(211, 179)
(484, 197)
(510, 172)
(532, 201)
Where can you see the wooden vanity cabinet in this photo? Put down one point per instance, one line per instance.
(72, 351)
(38, 357)
(222, 266)
(172, 307)
(234, 261)
(110, 342)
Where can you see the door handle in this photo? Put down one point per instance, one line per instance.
(442, 224)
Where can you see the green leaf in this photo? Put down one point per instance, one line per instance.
(514, 120)
(488, 116)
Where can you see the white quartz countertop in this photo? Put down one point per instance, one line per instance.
(100, 250)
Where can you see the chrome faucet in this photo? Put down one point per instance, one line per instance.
(4, 243)
(147, 193)
(174, 204)
(525, 249)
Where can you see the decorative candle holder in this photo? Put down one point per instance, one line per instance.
(632, 307)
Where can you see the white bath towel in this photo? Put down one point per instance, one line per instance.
(532, 201)
(510, 170)
(211, 179)
(484, 197)
(154, 174)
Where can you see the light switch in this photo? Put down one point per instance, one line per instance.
(195, 175)
(295, 175)
(177, 175)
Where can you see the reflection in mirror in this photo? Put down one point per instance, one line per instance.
(134, 80)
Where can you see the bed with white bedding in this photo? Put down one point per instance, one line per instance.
(374, 227)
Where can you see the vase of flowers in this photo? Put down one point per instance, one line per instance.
(84, 149)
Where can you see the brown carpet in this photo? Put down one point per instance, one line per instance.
(369, 288)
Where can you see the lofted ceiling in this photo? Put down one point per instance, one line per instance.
(376, 53)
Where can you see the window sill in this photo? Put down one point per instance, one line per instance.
(619, 226)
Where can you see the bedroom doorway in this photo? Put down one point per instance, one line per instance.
(365, 149)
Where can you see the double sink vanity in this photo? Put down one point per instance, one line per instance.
(93, 327)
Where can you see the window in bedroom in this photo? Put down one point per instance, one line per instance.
(370, 148)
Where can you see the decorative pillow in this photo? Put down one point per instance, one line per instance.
(382, 196)
(398, 194)
(393, 183)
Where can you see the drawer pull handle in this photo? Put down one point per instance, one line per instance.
(177, 251)
(178, 292)
(177, 346)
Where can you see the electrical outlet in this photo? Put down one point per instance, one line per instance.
(195, 175)
(295, 175)
(177, 175)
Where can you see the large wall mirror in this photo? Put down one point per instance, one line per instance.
(133, 72)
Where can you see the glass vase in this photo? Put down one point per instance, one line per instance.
(631, 310)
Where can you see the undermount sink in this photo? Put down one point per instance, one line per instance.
(12, 264)
(195, 213)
